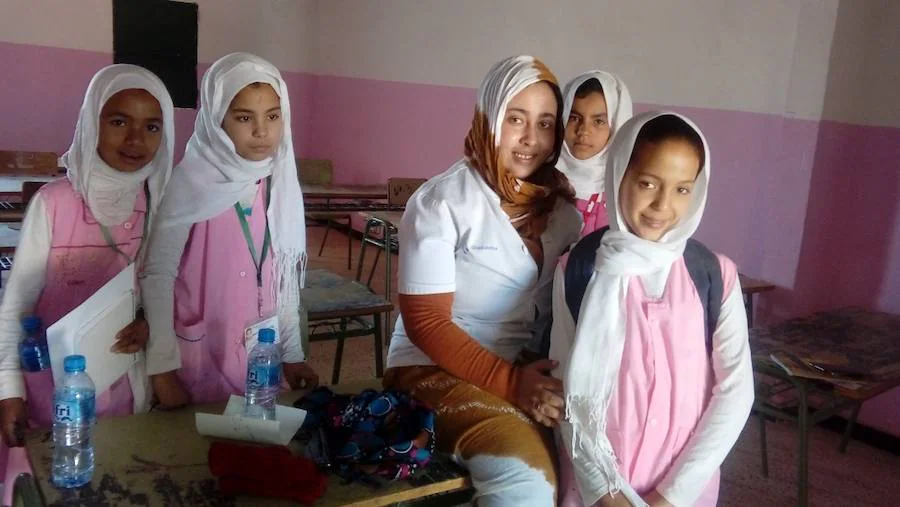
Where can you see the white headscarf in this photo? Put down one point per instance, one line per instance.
(111, 194)
(591, 368)
(212, 177)
(587, 176)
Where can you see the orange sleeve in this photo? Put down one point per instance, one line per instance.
(428, 324)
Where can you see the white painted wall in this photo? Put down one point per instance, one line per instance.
(704, 53)
(278, 30)
(765, 56)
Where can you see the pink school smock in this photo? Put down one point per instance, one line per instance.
(80, 263)
(216, 299)
(664, 385)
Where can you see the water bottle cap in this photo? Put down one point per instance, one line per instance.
(31, 323)
(267, 335)
(74, 363)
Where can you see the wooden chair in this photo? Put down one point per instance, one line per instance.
(321, 173)
(338, 308)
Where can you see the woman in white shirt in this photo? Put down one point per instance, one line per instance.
(478, 247)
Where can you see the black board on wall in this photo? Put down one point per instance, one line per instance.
(161, 36)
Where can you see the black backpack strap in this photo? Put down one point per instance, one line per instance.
(579, 269)
(701, 262)
(703, 266)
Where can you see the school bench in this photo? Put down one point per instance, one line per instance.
(158, 458)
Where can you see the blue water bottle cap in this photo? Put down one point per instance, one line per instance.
(31, 323)
(74, 363)
(266, 335)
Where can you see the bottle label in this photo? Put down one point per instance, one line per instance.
(264, 375)
(65, 411)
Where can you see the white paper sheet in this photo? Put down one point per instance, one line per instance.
(90, 330)
(231, 424)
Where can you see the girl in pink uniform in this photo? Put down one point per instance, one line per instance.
(230, 245)
(597, 103)
(651, 412)
(81, 231)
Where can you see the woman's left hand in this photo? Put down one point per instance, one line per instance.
(654, 499)
(132, 338)
(300, 375)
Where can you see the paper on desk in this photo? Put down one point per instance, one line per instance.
(231, 424)
(90, 330)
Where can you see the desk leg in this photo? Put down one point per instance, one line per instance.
(379, 353)
(803, 451)
(338, 353)
(389, 262)
(851, 423)
(748, 305)
(362, 252)
(763, 444)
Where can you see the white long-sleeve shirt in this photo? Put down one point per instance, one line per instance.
(158, 287)
(722, 421)
(21, 294)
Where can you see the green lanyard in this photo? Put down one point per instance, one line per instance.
(112, 244)
(257, 261)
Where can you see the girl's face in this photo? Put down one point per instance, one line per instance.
(656, 189)
(528, 135)
(587, 129)
(254, 122)
(130, 130)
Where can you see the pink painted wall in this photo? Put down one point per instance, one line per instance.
(42, 89)
(810, 205)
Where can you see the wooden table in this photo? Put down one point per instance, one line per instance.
(751, 287)
(160, 459)
(334, 301)
(373, 192)
(9, 184)
(851, 337)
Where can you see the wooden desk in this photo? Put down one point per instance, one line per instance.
(863, 340)
(12, 215)
(160, 459)
(9, 184)
(373, 192)
(751, 287)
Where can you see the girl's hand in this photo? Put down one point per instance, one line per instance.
(300, 375)
(168, 391)
(654, 499)
(13, 421)
(614, 501)
(540, 395)
(132, 338)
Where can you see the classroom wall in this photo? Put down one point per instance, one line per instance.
(50, 49)
(797, 99)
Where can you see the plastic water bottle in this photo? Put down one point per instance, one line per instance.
(33, 353)
(263, 377)
(73, 406)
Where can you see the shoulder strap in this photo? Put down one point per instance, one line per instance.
(703, 266)
(579, 269)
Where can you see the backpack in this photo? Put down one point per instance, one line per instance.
(702, 265)
(365, 436)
